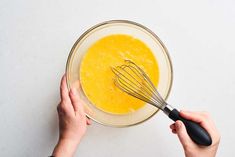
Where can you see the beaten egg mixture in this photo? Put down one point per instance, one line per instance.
(96, 76)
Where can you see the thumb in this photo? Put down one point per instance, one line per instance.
(183, 136)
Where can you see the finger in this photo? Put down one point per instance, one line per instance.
(64, 94)
(198, 117)
(88, 121)
(183, 136)
(173, 131)
(86, 108)
(193, 116)
(172, 126)
(75, 99)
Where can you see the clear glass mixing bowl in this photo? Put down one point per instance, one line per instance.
(119, 27)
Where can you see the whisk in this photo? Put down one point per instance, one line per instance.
(131, 79)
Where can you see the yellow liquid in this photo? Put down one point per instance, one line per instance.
(97, 78)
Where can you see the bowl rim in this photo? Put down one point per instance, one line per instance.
(124, 22)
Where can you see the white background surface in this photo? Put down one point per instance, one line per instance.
(36, 37)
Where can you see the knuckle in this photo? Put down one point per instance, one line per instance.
(63, 102)
(62, 106)
(60, 112)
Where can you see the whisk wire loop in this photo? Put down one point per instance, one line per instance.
(131, 79)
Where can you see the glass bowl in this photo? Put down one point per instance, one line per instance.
(119, 27)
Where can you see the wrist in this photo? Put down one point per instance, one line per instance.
(65, 147)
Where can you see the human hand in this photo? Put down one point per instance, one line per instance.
(190, 148)
(72, 121)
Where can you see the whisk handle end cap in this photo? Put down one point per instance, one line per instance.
(197, 133)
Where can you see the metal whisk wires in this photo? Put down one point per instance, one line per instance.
(131, 79)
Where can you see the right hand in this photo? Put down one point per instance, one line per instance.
(190, 148)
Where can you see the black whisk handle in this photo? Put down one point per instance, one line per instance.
(197, 133)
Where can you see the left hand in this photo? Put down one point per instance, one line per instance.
(72, 121)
